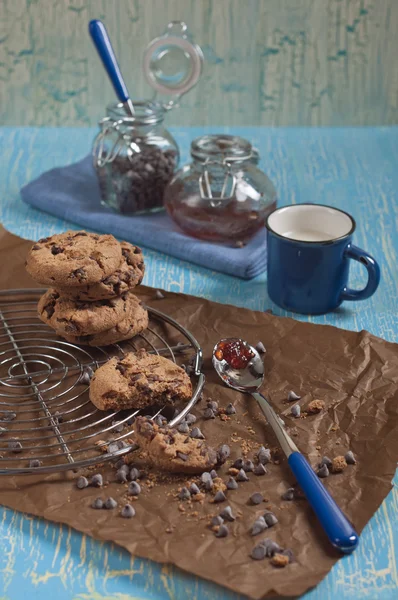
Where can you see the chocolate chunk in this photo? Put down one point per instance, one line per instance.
(184, 494)
(14, 446)
(213, 405)
(223, 453)
(270, 519)
(256, 498)
(295, 410)
(230, 409)
(260, 348)
(98, 503)
(121, 368)
(350, 458)
(9, 416)
(288, 495)
(96, 480)
(110, 503)
(197, 434)
(264, 455)
(323, 471)
(128, 511)
(231, 484)
(183, 427)
(159, 295)
(292, 396)
(258, 526)
(213, 474)
(134, 474)
(241, 476)
(182, 456)
(219, 497)
(227, 514)
(134, 488)
(190, 419)
(326, 461)
(216, 521)
(81, 483)
(259, 552)
(260, 470)
(270, 546)
(34, 463)
(248, 466)
(222, 532)
(57, 250)
(238, 464)
(193, 488)
(209, 414)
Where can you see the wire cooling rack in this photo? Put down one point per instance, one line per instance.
(45, 412)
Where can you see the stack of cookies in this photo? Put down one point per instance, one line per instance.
(92, 276)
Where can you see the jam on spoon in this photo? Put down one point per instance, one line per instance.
(235, 352)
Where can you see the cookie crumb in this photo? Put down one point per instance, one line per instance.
(280, 560)
(338, 464)
(315, 407)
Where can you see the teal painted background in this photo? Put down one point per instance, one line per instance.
(268, 62)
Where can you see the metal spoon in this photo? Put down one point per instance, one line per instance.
(248, 380)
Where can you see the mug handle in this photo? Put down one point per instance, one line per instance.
(373, 270)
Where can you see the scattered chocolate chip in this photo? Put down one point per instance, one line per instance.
(160, 420)
(232, 484)
(258, 526)
(3, 430)
(81, 483)
(58, 418)
(127, 511)
(159, 295)
(193, 488)
(270, 547)
(325, 461)
(190, 419)
(292, 396)
(213, 405)
(227, 514)
(209, 414)
(110, 503)
(86, 376)
(14, 446)
(96, 480)
(112, 448)
(134, 488)
(219, 497)
(230, 409)
(260, 470)
(223, 453)
(295, 410)
(197, 434)
(183, 427)
(270, 519)
(120, 463)
(350, 458)
(256, 498)
(98, 503)
(207, 480)
(222, 532)
(134, 474)
(288, 495)
(323, 471)
(9, 416)
(289, 554)
(34, 463)
(248, 466)
(241, 476)
(264, 455)
(184, 494)
(260, 348)
(238, 464)
(216, 521)
(121, 474)
(259, 552)
(182, 456)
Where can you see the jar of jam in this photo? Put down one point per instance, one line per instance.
(135, 157)
(222, 195)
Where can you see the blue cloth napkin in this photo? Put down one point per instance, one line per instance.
(72, 193)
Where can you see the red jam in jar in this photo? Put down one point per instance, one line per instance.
(235, 353)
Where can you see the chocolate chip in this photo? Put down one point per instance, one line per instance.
(326, 461)
(117, 426)
(112, 448)
(209, 414)
(260, 348)
(264, 455)
(98, 503)
(3, 430)
(231, 484)
(288, 495)
(134, 488)
(213, 405)
(86, 376)
(79, 274)
(295, 410)
(182, 456)
(258, 526)
(289, 554)
(256, 498)
(270, 546)
(248, 466)
(223, 453)
(9, 416)
(216, 521)
(193, 488)
(230, 409)
(190, 419)
(110, 503)
(34, 463)
(222, 532)
(81, 483)
(241, 476)
(120, 463)
(36, 247)
(134, 474)
(270, 519)
(259, 552)
(44, 240)
(219, 497)
(183, 427)
(121, 474)
(238, 464)
(56, 250)
(260, 470)
(350, 458)
(323, 472)
(197, 434)
(121, 368)
(159, 295)
(292, 396)
(96, 480)
(160, 420)
(14, 446)
(213, 474)
(227, 514)
(127, 511)
(207, 480)
(184, 493)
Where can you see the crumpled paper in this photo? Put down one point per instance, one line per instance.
(355, 374)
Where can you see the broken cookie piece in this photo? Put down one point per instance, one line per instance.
(315, 407)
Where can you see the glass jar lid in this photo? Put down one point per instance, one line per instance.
(221, 148)
(172, 63)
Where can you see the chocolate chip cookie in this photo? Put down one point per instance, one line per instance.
(137, 380)
(69, 317)
(73, 258)
(172, 451)
(125, 330)
(126, 277)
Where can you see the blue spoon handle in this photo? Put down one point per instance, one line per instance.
(336, 525)
(104, 48)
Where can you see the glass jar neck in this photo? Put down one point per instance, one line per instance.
(222, 149)
(147, 114)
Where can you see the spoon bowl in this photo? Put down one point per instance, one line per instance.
(244, 380)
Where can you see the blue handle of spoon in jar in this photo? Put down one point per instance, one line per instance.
(104, 48)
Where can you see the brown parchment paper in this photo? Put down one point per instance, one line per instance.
(356, 374)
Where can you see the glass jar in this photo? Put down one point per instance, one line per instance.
(222, 196)
(135, 158)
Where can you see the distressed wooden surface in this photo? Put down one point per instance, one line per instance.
(268, 62)
(355, 169)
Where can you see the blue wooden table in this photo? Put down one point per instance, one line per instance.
(355, 169)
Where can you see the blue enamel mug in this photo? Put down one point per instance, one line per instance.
(309, 252)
